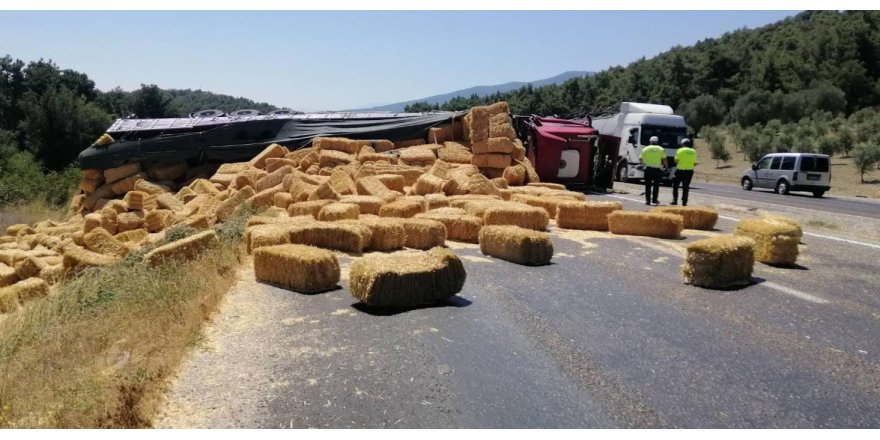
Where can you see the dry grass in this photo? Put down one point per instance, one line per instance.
(29, 213)
(97, 353)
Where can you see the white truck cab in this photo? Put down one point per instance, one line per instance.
(633, 126)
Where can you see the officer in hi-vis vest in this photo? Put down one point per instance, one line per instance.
(685, 161)
(654, 158)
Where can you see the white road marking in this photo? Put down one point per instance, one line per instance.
(796, 293)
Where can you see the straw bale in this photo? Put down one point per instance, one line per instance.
(491, 160)
(394, 182)
(226, 180)
(168, 171)
(91, 221)
(406, 143)
(517, 245)
(776, 218)
(88, 185)
(374, 157)
(232, 168)
(500, 145)
(585, 215)
(366, 204)
(386, 234)
(459, 227)
(547, 185)
(479, 184)
(492, 173)
(92, 174)
(417, 156)
(275, 163)
(102, 192)
(157, 219)
(436, 201)
(428, 184)
(522, 215)
(719, 262)
(478, 124)
(185, 194)
(102, 242)
(330, 158)
(502, 131)
(373, 186)
(501, 118)
(271, 234)
(343, 145)
(443, 133)
(515, 175)
(226, 208)
(382, 145)
(331, 235)
(19, 230)
(776, 242)
(299, 154)
(453, 152)
(447, 210)
(133, 236)
(272, 179)
(324, 191)
(11, 297)
(108, 219)
(342, 182)
(185, 248)
(456, 185)
(11, 257)
(274, 150)
(402, 208)
(112, 175)
(29, 267)
(7, 275)
(168, 201)
(519, 151)
(302, 190)
(77, 259)
(695, 217)
(264, 198)
(203, 186)
(651, 224)
(127, 184)
(77, 238)
(282, 200)
(498, 108)
(339, 211)
(299, 267)
(52, 274)
(76, 205)
(440, 168)
(311, 208)
(423, 233)
(407, 279)
(499, 182)
(274, 211)
(531, 174)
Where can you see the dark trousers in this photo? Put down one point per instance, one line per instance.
(652, 184)
(682, 177)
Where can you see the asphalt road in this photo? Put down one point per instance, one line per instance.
(606, 336)
(827, 203)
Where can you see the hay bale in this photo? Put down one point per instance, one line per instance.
(776, 218)
(478, 124)
(274, 150)
(271, 234)
(185, 248)
(264, 198)
(719, 262)
(204, 186)
(517, 245)
(102, 242)
(302, 190)
(168, 201)
(19, 230)
(585, 215)
(434, 201)
(29, 267)
(497, 145)
(232, 168)
(102, 192)
(339, 211)
(11, 297)
(92, 174)
(158, 219)
(417, 157)
(311, 208)
(402, 208)
(382, 145)
(275, 163)
(524, 216)
(332, 158)
(282, 200)
(140, 201)
(515, 175)
(89, 186)
(7, 275)
(531, 174)
(459, 227)
(776, 242)
(366, 204)
(387, 234)
(498, 108)
(168, 171)
(428, 184)
(343, 145)
(479, 184)
(127, 184)
(335, 235)
(695, 217)
(342, 183)
(407, 279)
(651, 224)
(299, 267)
(453, 152)
(185, 194)
(404, 143)
(149, 187)
(423, 233)
(325, 191)
(502, 131)
(499, 182)
(491, 160)
(112, 175)
(226, 208)
(550, 185)
(273, 178)
(225, 180)
(133, 236)
(76, 259)
(550, 204)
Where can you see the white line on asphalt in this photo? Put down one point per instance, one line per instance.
(796, 293)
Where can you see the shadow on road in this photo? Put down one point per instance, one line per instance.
(455, 301)
(794, 266)
(317, 292)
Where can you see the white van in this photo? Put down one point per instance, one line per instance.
(784, 172)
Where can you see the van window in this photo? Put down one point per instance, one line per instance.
(776, 162)
(788, 162)
(815, 164)
(764, 164)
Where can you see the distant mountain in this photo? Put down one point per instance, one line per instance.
(480, 91)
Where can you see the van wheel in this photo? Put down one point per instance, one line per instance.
(622, 173)
(818, 194)
(747, 184)
(782, 187)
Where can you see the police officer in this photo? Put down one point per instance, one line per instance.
(685, 160)
(654, 158)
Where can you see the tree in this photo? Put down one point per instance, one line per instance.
(847, 139)
(151, 102)
(716, 147)
(702, 111)
(864, 156)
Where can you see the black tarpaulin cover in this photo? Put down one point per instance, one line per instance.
(240, 141)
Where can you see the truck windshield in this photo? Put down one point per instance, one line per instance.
(670, 137)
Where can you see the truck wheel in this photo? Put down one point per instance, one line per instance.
(782, 187)
(818, 194)
(747, 184)
(622, 173)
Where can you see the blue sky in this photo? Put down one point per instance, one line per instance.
(335, 60)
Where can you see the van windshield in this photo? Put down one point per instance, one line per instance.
(815, 164)
(670, 137)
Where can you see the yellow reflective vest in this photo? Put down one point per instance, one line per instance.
(685, 158)
(653, 155)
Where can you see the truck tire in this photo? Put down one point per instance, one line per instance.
(622, 173)
(245, 112)
(213, 113)
(818, 194)
(782, 187)
(747, 184)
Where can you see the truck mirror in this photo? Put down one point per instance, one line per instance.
(632, 139)
(754, 167)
